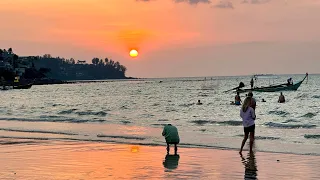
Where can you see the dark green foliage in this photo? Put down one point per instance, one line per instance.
(67, 69)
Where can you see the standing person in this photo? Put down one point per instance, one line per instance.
(172, 137)
(253, 102)
(237, 99)
(248, 117)
(251, 83)
(281, 98)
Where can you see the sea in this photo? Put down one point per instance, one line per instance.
(134, 112)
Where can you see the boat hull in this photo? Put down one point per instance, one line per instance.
(27, 86)
(277, 88)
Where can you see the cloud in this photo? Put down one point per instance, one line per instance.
(255, 1)
(193, 2)
(224, 5)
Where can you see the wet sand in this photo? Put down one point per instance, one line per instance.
(60, 160)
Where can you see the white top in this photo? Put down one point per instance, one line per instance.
(248, 117)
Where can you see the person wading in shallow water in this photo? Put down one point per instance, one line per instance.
(253, 102)
(237, 99)
(281, 98)
(251, 83)
(172, 137)
(248, 117)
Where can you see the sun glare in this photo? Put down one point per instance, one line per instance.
(135, 149)
(134, 53)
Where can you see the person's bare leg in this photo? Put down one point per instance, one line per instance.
(175, 149)
(168, 148)
(251, 140)
(243, 142)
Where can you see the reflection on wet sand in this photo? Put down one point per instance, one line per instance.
(171, 161)
(250, 166)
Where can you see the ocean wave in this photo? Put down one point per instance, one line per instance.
(158, 124)
(309, 115)
(290, 126)
(203, 95)
(146, 115)
(312, 136)
(16, 142)
(280, 113)
(316, 96)
(290, 120)
(186, 105)
(91, 113)
(69, 111)
(169, 109)
(163, 120)
(125, 122)
(52, 119)
(121, 137)
(230, 123)
(37, 131)
(266, 138)
(301, 96)
(263, 137)
(201, 122)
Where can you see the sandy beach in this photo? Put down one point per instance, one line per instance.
(60, 160)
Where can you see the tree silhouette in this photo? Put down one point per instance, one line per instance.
(95, 61)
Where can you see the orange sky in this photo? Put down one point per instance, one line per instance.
(173, 39)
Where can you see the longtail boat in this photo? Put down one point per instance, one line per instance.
(275, 88)
(25, 86)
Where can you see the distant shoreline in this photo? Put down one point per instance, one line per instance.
(55, 81)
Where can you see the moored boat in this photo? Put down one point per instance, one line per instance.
(25, 86)
(274, 88)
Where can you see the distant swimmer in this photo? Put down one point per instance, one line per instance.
(199, 103)
(281, 98)
(171, 135)
(263, 100)
(237, 99)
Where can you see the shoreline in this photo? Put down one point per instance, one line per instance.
(141, 135)
(83, 160)
(114, 142)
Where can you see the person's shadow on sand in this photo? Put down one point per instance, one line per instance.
(171, 161)
(250, 166)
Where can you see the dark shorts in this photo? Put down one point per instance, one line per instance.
(172, 142)
(249, 129)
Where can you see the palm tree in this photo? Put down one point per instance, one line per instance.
(1, 57)
(95, 61)
(117, 65)
(111, 62)
(10, 50)
(123, 69)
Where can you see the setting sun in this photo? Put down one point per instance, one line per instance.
(134, 53)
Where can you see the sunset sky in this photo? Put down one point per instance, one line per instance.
(174, 38)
